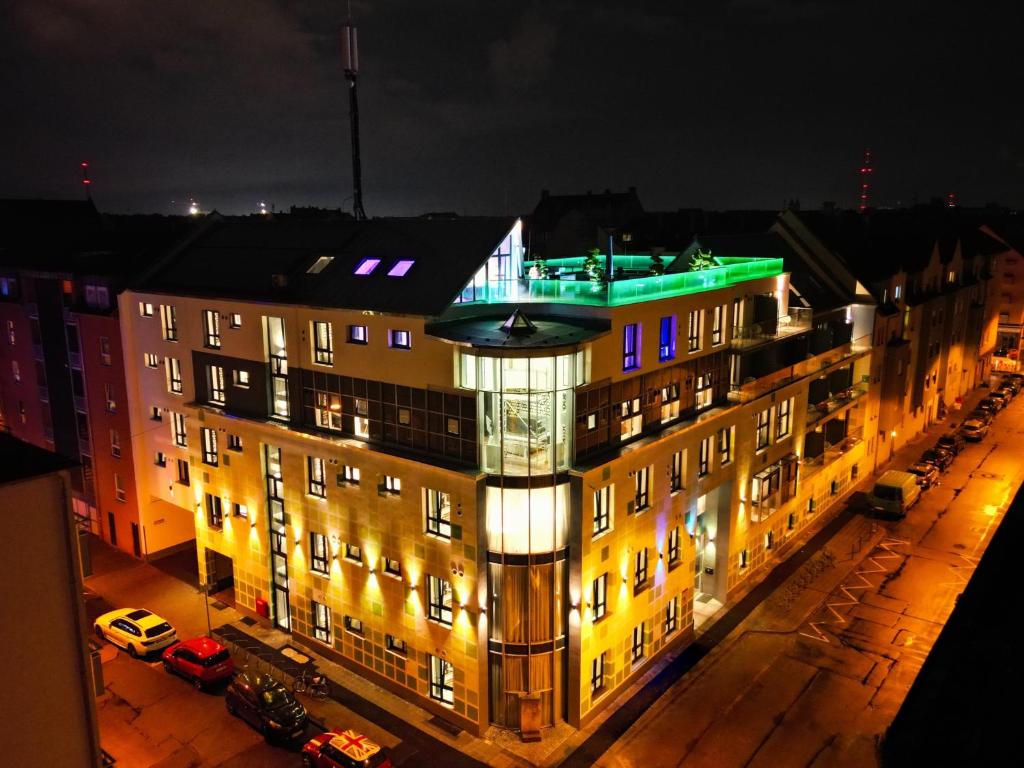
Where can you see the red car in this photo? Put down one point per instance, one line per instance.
(344, 749)
(201, 660)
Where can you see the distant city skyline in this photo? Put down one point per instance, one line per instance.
(747, 103)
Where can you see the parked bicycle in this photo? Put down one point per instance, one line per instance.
(312, 684)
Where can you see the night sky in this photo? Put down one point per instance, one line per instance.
(474, 106)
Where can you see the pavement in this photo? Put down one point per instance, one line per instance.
(807, 667)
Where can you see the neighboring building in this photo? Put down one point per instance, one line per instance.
(48, 681)
(498, 496)
(1009, 271)
(61, 369)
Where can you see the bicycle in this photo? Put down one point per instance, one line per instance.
(312, 684)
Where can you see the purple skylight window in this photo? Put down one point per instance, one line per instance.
(401, 267)
(366, 266)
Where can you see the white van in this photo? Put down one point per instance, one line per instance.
(894, 493)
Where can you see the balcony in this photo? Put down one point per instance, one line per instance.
(818, 411)
(797, 321)
(832, 453)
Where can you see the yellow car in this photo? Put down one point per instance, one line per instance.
(136, 630)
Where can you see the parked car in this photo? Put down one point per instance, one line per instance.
(990, 404)
(136, 630)
(980, 414)
(1005, 392)
(940, 457)
(1014, 384)
(266, 705)
(894, 493)
(1015, 376)
(200, 660)
(344, 749)
(1000, 399)
(952, 442)
(974, 429)
(927, 474)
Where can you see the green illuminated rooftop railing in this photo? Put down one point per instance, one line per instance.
(732, 270)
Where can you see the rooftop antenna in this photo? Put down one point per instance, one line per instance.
(951, 200)
(865, 182)
(86, 181)
(350, 62)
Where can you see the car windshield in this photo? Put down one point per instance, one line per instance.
(374, 760)
(276, 697)
(218, 658)
(887, 492)
(159, 629)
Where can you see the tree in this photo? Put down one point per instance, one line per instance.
(657, 265)
(592, 266)
(542, 269)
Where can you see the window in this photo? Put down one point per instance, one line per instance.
(704, 458)
(438, 506)
(591, 421)
(632, 418)
(211, 328)
(366, 266)
(631, 347)
(323, 343)
(695, 330)
(145, 309)
(151, 360)
(319, 265)
(897, 292)
(717, 325)
(602, 510)
(317, 470)
(161, 459)
(672, 616)
(241, 510)
(669, 402)
(234, 442)
(12, 337)
(178, 429)
(677, 469)
(400, 267)
(240, 379)
(667, 339)
(235, 320)
(327, 410)
(173, 367)
(319, 561)
(640, 570)
(354, 553)
(361, 421)
(353, 625)
(16, 371)
(72, 336)
(392, 567)
(597, 674)
(599, 596)
(725, 440)
(705, 391)
(209, 440)
(404, 416)
(104, 350)
(215, 383)
(439, 600)
(349, 475)
(115, 443)
(97, 296)
(642, 497)
(169, 322)
(399, 339)
(214, 512)
(637, 650)
(761, 428)
(783, 423)
(394, 645)
(321, 621)
(357, 334)
(674, 551)
(183, 471)
(442, 680)
(452, 427)
(108, 396)
(392, 484)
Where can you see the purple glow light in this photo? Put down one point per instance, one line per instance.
(366, 266)
(401, 267)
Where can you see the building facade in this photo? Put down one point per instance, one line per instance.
(495, 486)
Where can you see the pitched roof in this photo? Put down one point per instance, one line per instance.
(270, 259)
(20, 460)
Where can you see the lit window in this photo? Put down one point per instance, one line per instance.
(214, 511)
(178, 430)
(211, 327)
(761, 428)
(234, 442)
(597, 674)
(674, 551)
(105, 350)
(725, 439)
(442, 680)
(599, 596)
(119, 493)
(318, 555)
(439, 600)
(438, 509)
(115, 443)
(672, 616)
(783, 424)
(392, 567)
(169, 322)
(183, 477)
(400, 268)
(161, 459)
(323, 343)
(640, 570)
(602, 510)
(394, 645)
(327, 410)
(348, 476)
(704, 457)
(354, 553)
(241, 510)
(235, 320)
(642, 499)
(215, 382)
(667, 339)
(631, 347)
(173, 366)
(145, 309)
(399, 339)
(357, 334)
(677, 470)
(453, 427)
(321, 621)
(391, 484)
(16, 371)
(637, 649)
(209, 439)
(317, 469)
(353, 625)
(366, 266)
(319, 265)
(695, 330)
(240, 379)
(152, 361)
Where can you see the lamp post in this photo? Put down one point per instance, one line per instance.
(205, 589)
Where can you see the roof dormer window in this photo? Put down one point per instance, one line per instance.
(319, 265)
(400, 267)
(366, 266)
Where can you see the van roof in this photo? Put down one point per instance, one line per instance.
(896, 477)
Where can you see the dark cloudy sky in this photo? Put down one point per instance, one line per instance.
(475, 106)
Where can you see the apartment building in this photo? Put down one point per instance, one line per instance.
(1009, 273)
(494, 485)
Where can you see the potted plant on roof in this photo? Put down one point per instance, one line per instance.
(592, 266)
(543, 273)
(657, 265)
(701, 261)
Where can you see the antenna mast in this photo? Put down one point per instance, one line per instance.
(865, 182)
(350, 62)
(86, 181)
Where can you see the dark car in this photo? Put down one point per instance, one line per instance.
(980, 414)
(201, 660)
(940, 457)
(927, 474)
(952, 442)
(1010, 383)
(1005, 392)
(999, 397)
(266, 705)
(990, 404)
(344, 749)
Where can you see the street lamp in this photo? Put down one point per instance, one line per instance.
(205, 589)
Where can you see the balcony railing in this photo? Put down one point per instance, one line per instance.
(798, 320)
(818, 411)
(811, 466)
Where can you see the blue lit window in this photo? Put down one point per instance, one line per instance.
(366, 266)
(399, 339)
(400, 267)
(667, 339)
(631, 347)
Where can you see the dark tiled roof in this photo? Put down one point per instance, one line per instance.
(20, 460)
(240, 259)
